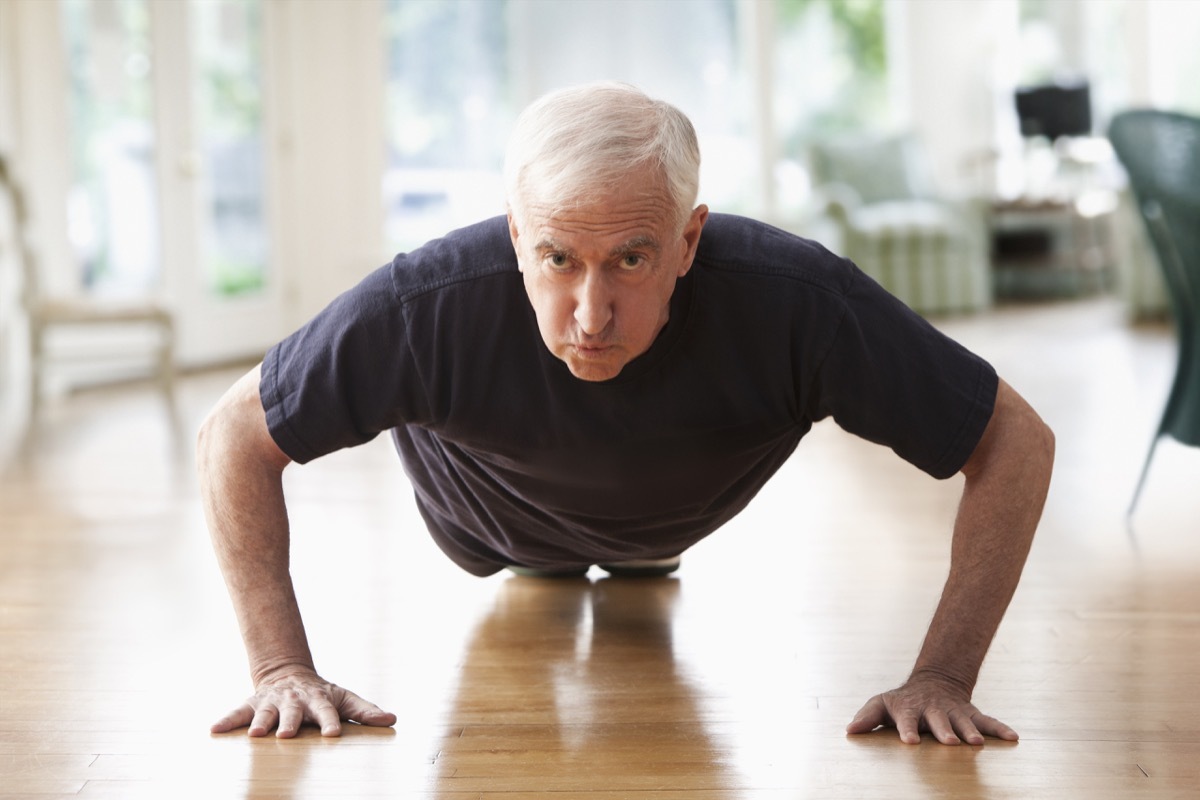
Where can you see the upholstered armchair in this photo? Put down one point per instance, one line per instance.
(930, 252)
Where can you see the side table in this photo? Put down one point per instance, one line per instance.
(1052, 246)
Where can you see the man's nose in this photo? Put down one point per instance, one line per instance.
(593, 304)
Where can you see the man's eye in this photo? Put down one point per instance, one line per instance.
(558, 260)
(631, 261)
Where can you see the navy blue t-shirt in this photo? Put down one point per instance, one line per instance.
(516, 461)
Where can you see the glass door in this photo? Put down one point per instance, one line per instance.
(213, 126)
(168, 189)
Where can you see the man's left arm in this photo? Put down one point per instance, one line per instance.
(1007, 477)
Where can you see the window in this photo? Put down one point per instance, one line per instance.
(448, 109)
(830, 71)
(829, 77)
(227, 37)
(112, 205)
(459, 72)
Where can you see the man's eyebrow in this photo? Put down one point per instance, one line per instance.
(550, 245)
(635, 244)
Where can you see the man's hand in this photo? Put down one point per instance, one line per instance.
(927, 704)
(924, 704)
(284, 702)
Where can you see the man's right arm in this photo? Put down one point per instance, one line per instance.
(241, 484)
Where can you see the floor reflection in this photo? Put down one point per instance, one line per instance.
(574, 685)
(287, 768)
(952, 773)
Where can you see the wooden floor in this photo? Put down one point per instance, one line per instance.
(734, 680)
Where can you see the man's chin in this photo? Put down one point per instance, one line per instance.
(594, 372)
(594, 366)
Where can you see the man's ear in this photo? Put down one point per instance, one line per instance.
(514, 235)
(691, 237)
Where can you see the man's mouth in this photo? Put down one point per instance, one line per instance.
(591, 350)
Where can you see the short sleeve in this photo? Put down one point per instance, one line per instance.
(345, 376)
(892, 378)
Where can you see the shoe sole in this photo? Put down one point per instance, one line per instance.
(655, 571)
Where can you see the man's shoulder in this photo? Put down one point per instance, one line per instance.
(739, 245)
(461, 257)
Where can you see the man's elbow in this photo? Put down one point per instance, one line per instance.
(1029, 445)
(214, 440)
(236, 430)
(211, 439)
(1048, 440)
(1041, 447)
(1016, 438)
(1034, 437)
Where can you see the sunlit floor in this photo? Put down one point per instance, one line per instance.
(733, 680)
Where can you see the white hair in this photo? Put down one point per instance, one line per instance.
(576, 143)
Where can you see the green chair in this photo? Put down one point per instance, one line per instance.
(1160, 151)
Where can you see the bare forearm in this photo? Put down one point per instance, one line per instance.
(1007, 477)
(242, 490)
(241, 482)
(1002, 502)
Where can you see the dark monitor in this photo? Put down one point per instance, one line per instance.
(1054, 110)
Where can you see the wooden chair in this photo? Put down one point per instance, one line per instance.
(47, 314)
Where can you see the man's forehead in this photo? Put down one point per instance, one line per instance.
(622, 218)
(635, 201)
(547, 242)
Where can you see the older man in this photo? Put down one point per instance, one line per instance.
(593, 381)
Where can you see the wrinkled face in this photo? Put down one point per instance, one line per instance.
(600, 276)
